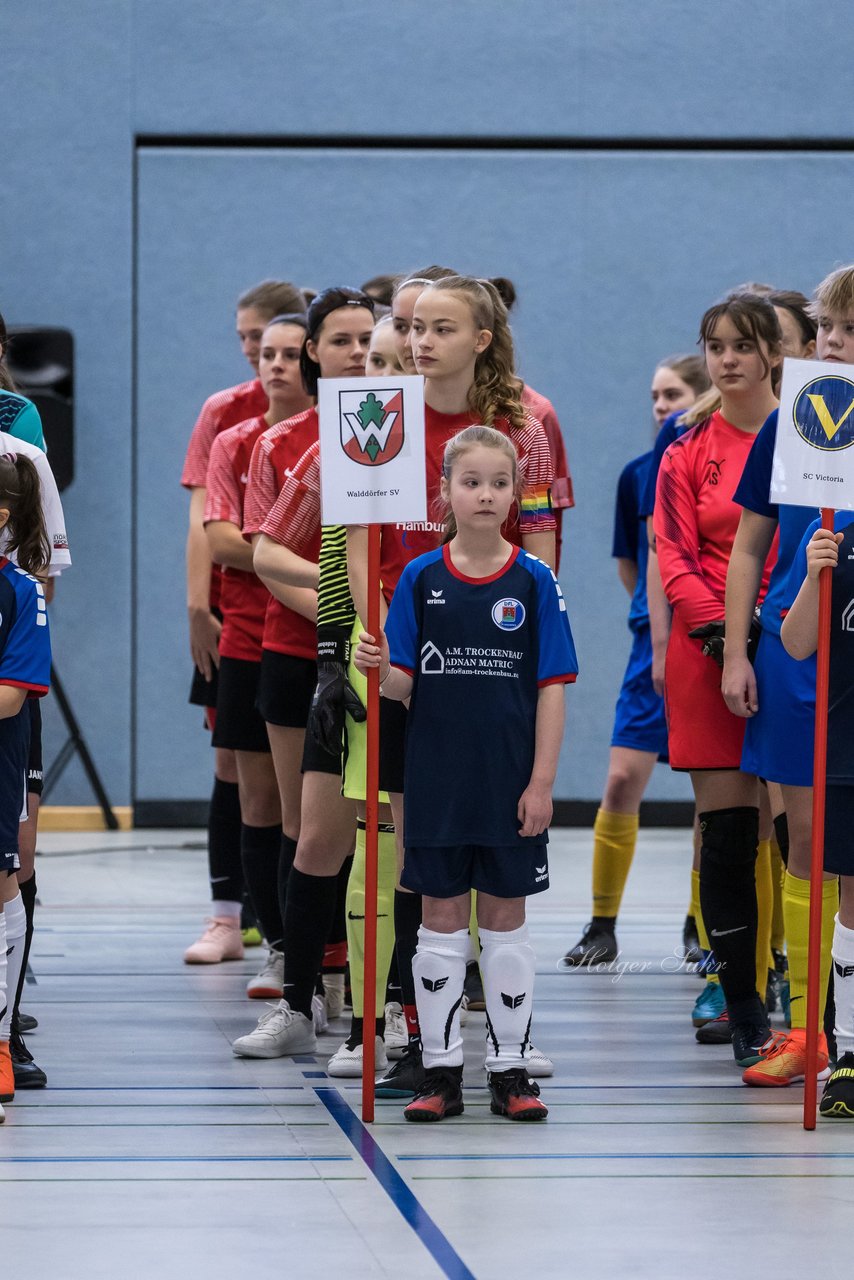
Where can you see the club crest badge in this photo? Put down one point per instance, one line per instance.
(824, 413)
(508, 614)
(372, 428)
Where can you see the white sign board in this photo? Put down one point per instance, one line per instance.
(373, 466)
(814, 453)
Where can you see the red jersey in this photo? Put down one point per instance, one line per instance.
(220, 411)
(544, 411)
(244, 597)
(296, 514)
(695, 518)
(275, 452)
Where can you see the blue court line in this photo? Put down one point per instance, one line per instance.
(436, 1244)
(314, 1075)
(173, 1159)
(643, 1155)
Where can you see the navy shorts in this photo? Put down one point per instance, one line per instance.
(639, 721)
(838, 829)
(286, 688)
(14, 753)
(508, 871)
(238, 725)
(203, 692)
(316, 759)
(35, 770)
(779, 739)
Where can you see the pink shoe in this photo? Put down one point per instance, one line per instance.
(221, 940)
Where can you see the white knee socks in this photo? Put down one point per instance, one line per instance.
(439, 970)
(843, 987)
(507, 963)
(16, 928)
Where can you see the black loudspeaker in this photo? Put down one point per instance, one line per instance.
(41, 360)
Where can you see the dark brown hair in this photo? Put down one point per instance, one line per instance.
(797, 305)
(324, 304)
(7, 382)
(20, 493)
(755, 318)
(272, 298)
(381, 288)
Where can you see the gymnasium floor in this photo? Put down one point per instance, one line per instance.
(156, 1153)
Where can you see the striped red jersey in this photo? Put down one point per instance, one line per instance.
(696, 518)
(276, 452)
(220, 411)
(243, 599)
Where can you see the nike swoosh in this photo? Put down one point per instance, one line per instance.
(722, 933)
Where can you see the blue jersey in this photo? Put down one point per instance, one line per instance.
(24, 664)
(478, 651)
(671, 429)
(840, 703)
(753, 492)
(19, 417)
(630, 539)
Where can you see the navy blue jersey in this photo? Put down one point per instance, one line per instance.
(753, 492)
(630, 537)
(840, 706)
(671, 429)
(478, 650)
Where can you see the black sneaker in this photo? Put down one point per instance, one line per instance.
(473, 989)
(598, 944)
(515, 1096)
(440, 1095)
(691, 942)
(718, 1031)
(26, 1022)
(27, 1074)
(404, 1077)
(748, 1038)
(837, 1101)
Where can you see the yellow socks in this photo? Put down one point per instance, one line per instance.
(386, 879)
(614, 839)
(697, 913)
(765, 908)
(796, 910)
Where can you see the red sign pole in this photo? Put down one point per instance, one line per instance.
(816, 997)
(372, 623)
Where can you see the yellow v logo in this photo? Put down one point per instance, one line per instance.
(825, 417)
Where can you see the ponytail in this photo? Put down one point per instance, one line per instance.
(25, 532)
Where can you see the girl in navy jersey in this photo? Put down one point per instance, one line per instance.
(243, 602)
(24, 673)
(477, 636)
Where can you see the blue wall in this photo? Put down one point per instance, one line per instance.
(615, 254)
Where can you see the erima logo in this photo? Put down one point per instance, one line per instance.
(848, 616)
(512, 1002)
(434, 985)
(844, 970)
(437, 597)
(542, 874)
(432, 660)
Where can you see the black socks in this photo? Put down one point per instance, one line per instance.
(309, 912)
(259, 847)
(729, 840)
(224, 864)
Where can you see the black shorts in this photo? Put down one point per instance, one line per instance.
(509, 871)
(286, 689)
(392, 744)
(238, 726)
(203, 693)
(35, 771)
(838, 825)
(315, 759)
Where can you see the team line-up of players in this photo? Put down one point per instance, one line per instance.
(280, 665)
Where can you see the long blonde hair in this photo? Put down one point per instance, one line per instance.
(496, 391)
(460, 444)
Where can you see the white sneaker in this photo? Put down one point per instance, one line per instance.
(348, 1062)
(538, 1065)
(333, 989)
(269, 983)
(279, 1033)
(220, 941)
(396, 1035)
(318, 1015)
(464, 1011)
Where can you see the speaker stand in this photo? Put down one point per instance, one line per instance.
(75, 744)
